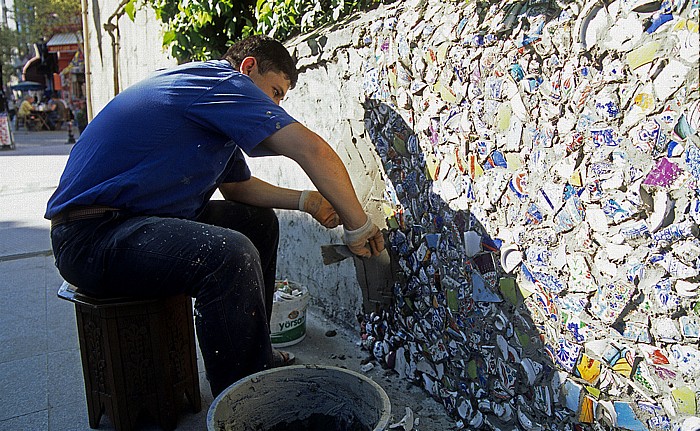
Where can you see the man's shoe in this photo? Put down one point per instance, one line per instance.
(282, 358)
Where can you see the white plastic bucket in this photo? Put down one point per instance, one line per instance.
(288, 322)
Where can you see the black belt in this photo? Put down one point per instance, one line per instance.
(82, 213)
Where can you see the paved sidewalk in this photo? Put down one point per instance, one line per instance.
(41, 381)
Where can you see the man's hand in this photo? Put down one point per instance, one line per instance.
(315, 204)
(366, 241)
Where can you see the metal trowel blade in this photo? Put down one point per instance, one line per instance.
(334, 253)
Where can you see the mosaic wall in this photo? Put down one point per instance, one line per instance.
(542, 164)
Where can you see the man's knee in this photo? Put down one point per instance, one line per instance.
(238, 251)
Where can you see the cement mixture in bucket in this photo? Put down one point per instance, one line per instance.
(319, 422)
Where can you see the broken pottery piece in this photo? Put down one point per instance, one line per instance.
(686, 358)
(663, 174)
(642, 55)
(686, 288)
(675, 232)
(690, 327)
(572, 392)
(662, 207)
(690, 424)
(670, 79)
(472, 243)
(626, 418)
(511, 257)
(684, 397)
(610, 301)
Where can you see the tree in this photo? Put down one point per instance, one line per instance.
(38, 19)
(8, 42)
(203, 29)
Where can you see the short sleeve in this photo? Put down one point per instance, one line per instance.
(238, 109)
(237, 169)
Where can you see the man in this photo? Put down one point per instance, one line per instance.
(25, 111)
(57, 111)
(132, 215)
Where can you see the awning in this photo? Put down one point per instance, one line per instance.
(63, 42)
(27, 86)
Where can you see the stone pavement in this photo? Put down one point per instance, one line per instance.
(41, 381)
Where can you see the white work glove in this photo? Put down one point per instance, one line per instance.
(315, 204)
(366, 241)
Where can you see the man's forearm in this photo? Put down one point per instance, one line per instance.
(328, 173)
(325, 169)
(261, 194)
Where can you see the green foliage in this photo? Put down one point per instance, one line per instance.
(203, 29)
(8, 41)
(44, 18)
(130, 9)
(284, 18)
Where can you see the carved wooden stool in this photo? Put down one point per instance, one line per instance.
(138, 357)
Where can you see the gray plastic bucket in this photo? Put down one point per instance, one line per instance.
(283, 395)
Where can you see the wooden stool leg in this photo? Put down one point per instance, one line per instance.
(176, 351)
(90, 374)
(188, 356)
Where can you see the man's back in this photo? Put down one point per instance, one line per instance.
(25, 108)
(161, 146)
(58, 108)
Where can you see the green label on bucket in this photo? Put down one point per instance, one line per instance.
(289, 330)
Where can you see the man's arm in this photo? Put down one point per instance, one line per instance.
(328, 173)
(261, 194)
(323, 166)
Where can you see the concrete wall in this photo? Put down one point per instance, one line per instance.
(537, 165)
(326, 100)
(139, 49)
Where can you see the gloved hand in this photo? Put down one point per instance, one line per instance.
(366, 241)
(315, 204)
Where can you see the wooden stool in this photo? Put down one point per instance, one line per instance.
(138, 357)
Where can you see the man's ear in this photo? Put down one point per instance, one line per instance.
(247, 65)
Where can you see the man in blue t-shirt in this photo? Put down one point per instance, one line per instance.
(132, 214)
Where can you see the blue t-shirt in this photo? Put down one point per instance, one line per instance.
(163, 146)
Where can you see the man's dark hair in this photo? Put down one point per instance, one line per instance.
(270, 54)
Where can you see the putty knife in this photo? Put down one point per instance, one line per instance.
(334, 253)
(374, 274)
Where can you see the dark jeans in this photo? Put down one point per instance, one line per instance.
(226, 259)
(51, 120)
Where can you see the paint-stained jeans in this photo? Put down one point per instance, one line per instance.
(226, 260)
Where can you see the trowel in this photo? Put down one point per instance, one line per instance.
(334, 253)
(374, 274)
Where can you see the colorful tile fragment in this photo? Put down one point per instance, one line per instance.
(663, 174)
(626, 418)
(620, 358)
(686, 402)
(610, 301)
(588, 369)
